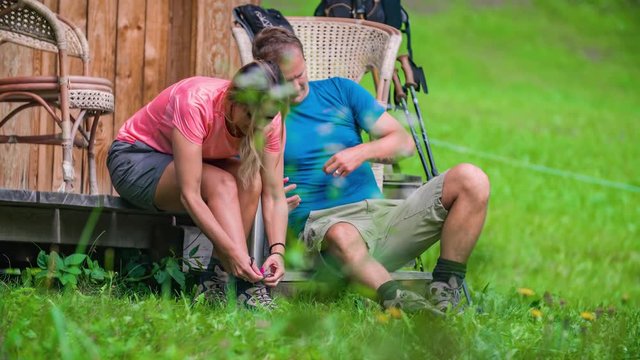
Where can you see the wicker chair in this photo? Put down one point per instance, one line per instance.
(31, 24)
(336, 47)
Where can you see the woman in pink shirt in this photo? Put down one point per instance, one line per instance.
(213, 147)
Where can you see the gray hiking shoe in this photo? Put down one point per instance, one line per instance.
(213, 283)
(255, 296)
(410, 302)
(446, 296)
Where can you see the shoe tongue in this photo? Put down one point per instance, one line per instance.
(453, 282)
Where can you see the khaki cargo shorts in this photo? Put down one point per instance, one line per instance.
(395, 231)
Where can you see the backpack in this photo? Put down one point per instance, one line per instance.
(254, 18)
(388, 12)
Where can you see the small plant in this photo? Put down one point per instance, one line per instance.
(69, 270)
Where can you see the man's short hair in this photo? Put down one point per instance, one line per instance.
(270, 44)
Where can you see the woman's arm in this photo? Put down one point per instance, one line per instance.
(188, 164)
(274, 212)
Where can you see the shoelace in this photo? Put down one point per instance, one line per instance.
(263, 297)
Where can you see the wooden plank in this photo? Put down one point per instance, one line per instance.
(181, 29)
(155, 48)
(101, 35)
(129, 59)
(14, 158)
(45, 160)
(216, 53)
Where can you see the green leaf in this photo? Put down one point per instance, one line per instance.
(74, 259)
(161, 276)
(176, 274)
(43, 259)
(57, 262)
(69, 279)
(194, 250)
(97, 274)
(73, 270)
(41, 275)
(136, 272)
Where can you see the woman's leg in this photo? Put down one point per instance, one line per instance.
(223, 193)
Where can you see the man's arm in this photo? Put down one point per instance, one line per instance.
(390, 141)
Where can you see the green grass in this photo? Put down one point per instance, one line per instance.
(543, 96)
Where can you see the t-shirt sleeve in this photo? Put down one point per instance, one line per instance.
(274, 135)
(187, 117)
(366, 109)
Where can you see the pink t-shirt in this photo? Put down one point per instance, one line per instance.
(194, 107)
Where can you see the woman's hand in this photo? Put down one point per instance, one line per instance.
(241, 266)
(273, 269)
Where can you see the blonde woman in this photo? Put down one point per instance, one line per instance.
(213, 147)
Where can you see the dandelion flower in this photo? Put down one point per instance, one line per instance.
(526, 292)
(587, 315)
(382, 318)
(536, 313)
(394, 312)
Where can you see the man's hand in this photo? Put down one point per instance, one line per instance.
(345, 161)
(273, 269)
(292, 201)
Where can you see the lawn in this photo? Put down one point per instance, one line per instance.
(543, 96)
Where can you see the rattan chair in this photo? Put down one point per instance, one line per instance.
(338, 47)
(31, 24)
(335, 47)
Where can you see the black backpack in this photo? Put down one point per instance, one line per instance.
(388, 12)
(254, 18)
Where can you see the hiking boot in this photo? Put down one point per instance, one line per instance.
(254, 296)
(213, 282)
(410, 302)
(445, 296)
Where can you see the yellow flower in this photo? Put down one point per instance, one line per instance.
(382, 318)
(526, 292)
(394, 312)
(536, 313)
(587, 315)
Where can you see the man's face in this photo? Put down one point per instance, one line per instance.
(294, 70)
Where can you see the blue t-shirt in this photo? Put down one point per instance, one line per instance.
(328, 120)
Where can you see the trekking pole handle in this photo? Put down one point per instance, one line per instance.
(408, 72)
(399, 93)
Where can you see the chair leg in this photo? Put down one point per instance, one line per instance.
(68, 172)
(91, 156)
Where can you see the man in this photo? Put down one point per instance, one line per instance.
(336, 204)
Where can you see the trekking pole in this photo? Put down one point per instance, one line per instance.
(401, 97)
(411, 85)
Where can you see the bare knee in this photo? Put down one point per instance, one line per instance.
(218, 185)
(469, 181)
(253, 188)
(343, 238)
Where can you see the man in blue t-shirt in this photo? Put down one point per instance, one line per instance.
(336, 205)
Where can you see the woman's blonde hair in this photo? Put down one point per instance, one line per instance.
(253, 85)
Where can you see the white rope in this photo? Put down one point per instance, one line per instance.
(539, 168)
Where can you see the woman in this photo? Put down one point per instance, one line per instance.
(212, 147)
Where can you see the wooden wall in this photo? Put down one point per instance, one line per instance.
(142, 46)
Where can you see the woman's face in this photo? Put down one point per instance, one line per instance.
(241, 115)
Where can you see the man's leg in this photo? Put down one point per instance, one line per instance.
(344, 242)
(465, 195)
(347, 245)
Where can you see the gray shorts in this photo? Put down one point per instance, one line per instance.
(395, 231)
(135, 171)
